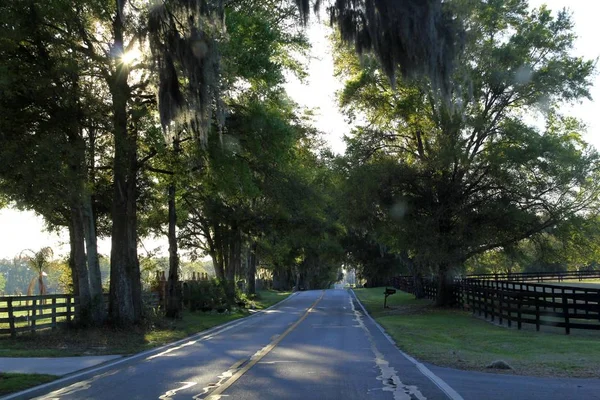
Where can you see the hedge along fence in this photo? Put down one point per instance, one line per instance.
(568, 307)
(32, 313)
(204, 295)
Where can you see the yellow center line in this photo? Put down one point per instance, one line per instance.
(215, 395)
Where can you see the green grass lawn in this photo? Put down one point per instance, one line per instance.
(457, 339)
(100, 341)
(14, 382)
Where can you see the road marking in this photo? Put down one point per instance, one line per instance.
(259, 355)
(205, 335)
(389, 377)
(169, 394)
(439, 382)
(278, 362)
(222, 378)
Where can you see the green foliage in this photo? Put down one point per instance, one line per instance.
(438, 182)
(209, 295)
(2, 283)
(12, 382)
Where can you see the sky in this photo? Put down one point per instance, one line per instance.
(24, 230)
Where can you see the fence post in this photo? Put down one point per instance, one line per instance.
(68, 309)
(33, 315)
(537, 312)
(465, 292)
(500, 301)
(519, 305)
(598, 304)
(485, 308)
(508, 306)
(565, 303)
(476, 301)
(54, 313)
(492, 311)
(11, 318)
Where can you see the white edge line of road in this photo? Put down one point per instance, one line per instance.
(439, 382)
(110, 364)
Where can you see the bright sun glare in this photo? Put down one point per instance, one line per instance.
(131, 56)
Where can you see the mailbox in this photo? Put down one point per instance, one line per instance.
(388, 292)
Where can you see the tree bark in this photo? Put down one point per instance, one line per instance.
(98, 314)
(218, 266)
(216, 253)
(251, 273)
(233, 263)
(133, 266)
(91, 238)
(73, 262)
(445, 289)
(125, 292)
(76, 237)
(174, 300)
(281, 278)
(418, 285)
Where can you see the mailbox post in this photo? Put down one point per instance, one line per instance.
(388, 292)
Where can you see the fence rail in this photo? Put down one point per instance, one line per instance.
(521, 301)
(567, 307)
(536, 276)
(32, 313)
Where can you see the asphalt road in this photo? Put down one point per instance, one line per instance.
(314, 345)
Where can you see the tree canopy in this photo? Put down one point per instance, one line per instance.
(445, 182)
(133, 118)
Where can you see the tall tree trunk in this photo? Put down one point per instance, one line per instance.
(415, 271)
(251, 274)
(297, 281)
(133, 265)
(445, 286)
(233, 262)
(418, 285)
(125, 297)
(91, 237)
(218, 266)
(216, 252)
(281, 278)
(213, 252)
(73, 261)
(98, 314)
(76, 238)
(174, 301)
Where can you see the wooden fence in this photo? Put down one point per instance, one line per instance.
(31, 313)
(20, 314)
(429, 285)
(536, 276)
(520, 302)
(567, 307)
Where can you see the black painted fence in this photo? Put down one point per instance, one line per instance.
(519, 302)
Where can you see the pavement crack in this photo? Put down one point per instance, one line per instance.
(388, 375)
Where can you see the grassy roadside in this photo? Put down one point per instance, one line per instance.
(456, 339)
(10, 382)
(160, 331)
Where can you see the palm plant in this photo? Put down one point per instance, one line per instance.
(39, 261)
